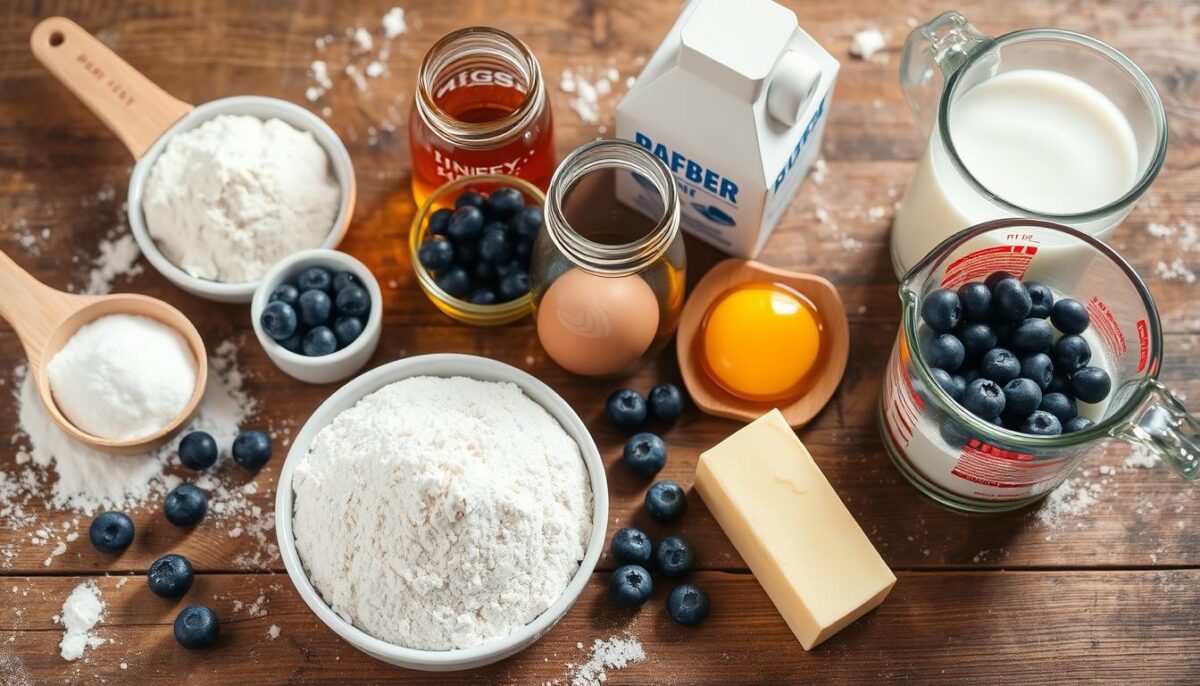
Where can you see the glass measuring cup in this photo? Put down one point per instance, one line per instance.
(970, 464)
(946, 59)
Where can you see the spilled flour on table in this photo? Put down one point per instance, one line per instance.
(615, 653)
(594, 90)
(81, 611)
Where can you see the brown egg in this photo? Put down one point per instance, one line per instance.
(595, 325)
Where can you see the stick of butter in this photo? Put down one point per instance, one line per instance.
(787, 522)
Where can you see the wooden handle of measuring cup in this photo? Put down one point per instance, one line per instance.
(132, 106)
(33, 309)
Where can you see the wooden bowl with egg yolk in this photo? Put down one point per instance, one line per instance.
(819, 383)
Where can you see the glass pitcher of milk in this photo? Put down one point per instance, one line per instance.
(1041, 123)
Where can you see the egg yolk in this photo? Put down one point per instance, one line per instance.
(759, 341)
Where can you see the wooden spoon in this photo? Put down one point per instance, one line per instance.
(713, 399)
(45, 319)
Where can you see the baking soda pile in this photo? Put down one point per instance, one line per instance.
(81, 611)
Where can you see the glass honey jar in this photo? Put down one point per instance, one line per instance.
(480, 108)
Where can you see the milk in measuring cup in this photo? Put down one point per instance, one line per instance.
(734, 102)
(1040, 139)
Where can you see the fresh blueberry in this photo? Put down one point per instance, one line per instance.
(482, 296)
(294, 343)
(953, 433)
(631, 547)
(1021, 397)
(504, 203)
(1071, 352)
(465, 225)
(675, 557)
(485, 273)
(318, 341)
(943, 351)
(1061, 383)
(1041, 423)
(1041, 298)
(436, 253)
(314, 307)
(198, 450)
(666, 402)
(952, 384)
(278, 319)
(976, 300)
(524, 251)
(977, 338)
(318, 278)
(347, 330)
(1033, 335)
(466, 254)
(528, 222)
(995, 278)
(353, 301)
(970, 374)
(285, 293)
(666, 501)
(341, 280)
(941, 310)
(197, 627)
(513, 265)
(111, 532)
(1038, 368)
(983, 398)
(454, 282)
(252, 449)
(645, 454)
(630, 586)
(494, 246)
(514, 286)
(1091, 384)
(1077, 424)
(438, 222)
(1000, 365)
(471, 199)
(1010, 300)
(1069, 316)
(688, 605)
(1059, 405)
(170, 576)
(626, 408)
(186, 505)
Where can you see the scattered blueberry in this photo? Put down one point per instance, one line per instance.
(1091, 384)
(1041, 423)
(470, 198)
(1077, 424)
(1010, 300)
(675, 557)
(279, 320)
(111, 532)
(438, 222)
(952, 384)
(1033, 335)
(631, 547)
(485, 273)
(630, 586)
(198, 450)
(645, 454)
(976, 300)
(514, 286)
(1059, 405)
(454, 282)
(436, 253)
(1021, 397)
(285, 293)
(494, 246)
(666, 501)
(977, 338)
(466, 254)
(1061, 383)
(483, 296)
(943, 351)
(252, 449)
(186, 505)
(528, 222)
(341, 280)
(318, 278)
(666, 402)
(983, 398)
(503, 203)
(320, 340)
(314, 307)
(1041, 299)
(347, 330)
(170, 576)
(1000, 365)
(941, 310)
(1038, 368)
(1069, 316)
(1071, 352)
(353, 301)
(626, 408)
(688, 605)
(465, 225)
(197, 627)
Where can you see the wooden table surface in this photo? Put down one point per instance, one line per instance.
(1108, 593)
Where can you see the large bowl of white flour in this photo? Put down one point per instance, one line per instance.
(442, 512)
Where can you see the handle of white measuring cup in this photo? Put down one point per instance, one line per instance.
(1166, 426)
(932, 52)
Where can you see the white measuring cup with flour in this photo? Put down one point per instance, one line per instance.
(145, 118)
(45, 319)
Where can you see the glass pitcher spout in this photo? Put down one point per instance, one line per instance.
(1166, 427)
(932, 52)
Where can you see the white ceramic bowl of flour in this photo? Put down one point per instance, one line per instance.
(443, 365)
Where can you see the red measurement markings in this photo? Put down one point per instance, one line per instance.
(992, 466)
(1105, 324)
(980, 264)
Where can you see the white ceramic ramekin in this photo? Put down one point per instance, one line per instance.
(473, 367)
(335, 366)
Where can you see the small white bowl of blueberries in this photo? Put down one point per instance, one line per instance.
(317, 315)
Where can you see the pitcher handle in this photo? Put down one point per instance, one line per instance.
(932, 52)
(1165, 426)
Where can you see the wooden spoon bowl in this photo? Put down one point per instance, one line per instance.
(713, 399)
(45, 319)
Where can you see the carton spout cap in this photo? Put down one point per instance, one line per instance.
(795, 79)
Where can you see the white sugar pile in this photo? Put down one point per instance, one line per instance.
(81, 611)
(615, 653)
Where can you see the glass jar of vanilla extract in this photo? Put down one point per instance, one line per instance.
(480, 108)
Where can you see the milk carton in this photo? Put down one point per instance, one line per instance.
(734, 101)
